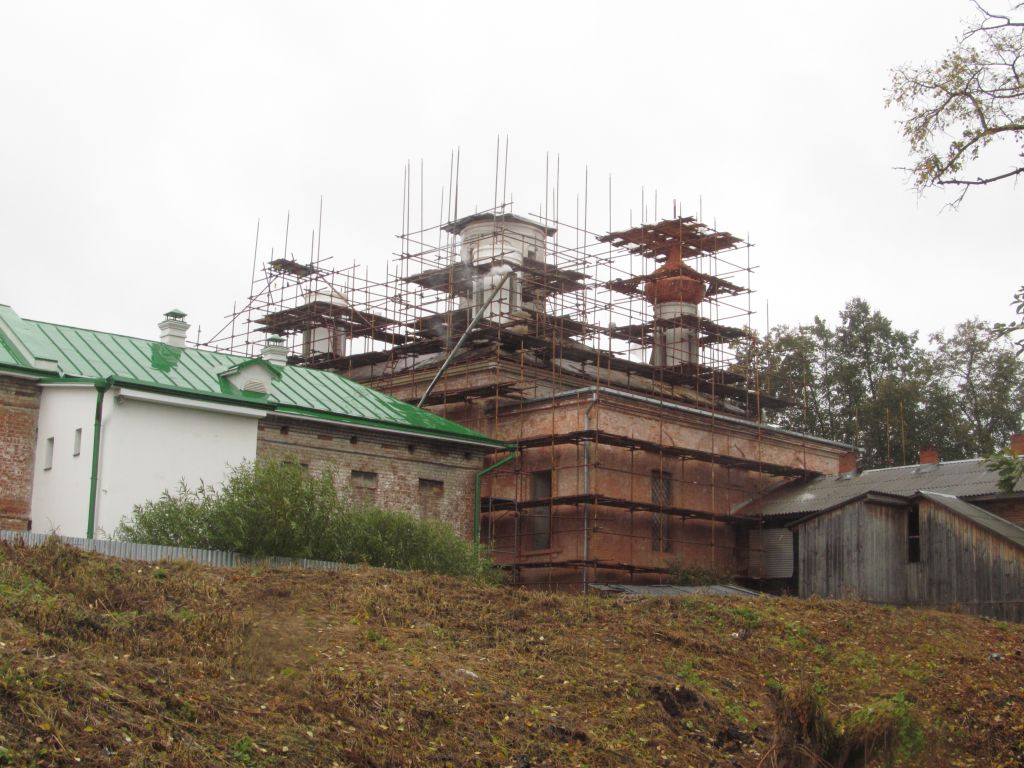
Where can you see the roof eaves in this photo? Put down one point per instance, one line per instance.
(21, 370)
(449, 437)
(875, 497)
(253, 400)
(993, 523)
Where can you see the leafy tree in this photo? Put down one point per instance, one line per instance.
(871, 385)
(1010, 467)
(962, 107)
(1016, 326)
(984, 382)
(965, 114)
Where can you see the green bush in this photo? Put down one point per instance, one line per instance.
(275, 507)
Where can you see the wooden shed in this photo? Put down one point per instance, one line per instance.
(927, 549)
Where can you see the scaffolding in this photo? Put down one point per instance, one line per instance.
(547, 331)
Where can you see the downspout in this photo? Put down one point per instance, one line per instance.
(586, 490)
(476, 493)
(101, 390)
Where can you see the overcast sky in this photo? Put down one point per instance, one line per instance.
(141, 142)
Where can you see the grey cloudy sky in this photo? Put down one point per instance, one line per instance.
(140, 142)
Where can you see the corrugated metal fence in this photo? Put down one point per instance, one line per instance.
(154, 553)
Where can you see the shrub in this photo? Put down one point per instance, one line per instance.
(275, 507)
(694, 576)
(391, 539)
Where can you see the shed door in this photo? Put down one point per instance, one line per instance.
(778, 553)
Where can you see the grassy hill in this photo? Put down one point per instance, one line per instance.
(106, 662)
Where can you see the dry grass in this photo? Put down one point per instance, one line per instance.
(104, 662)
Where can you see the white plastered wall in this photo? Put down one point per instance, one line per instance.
(149, 443)
(60, 494)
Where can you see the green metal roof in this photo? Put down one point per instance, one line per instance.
(9, 355)
(21, 346)
(94, 355)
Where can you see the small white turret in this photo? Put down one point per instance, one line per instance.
(490, 242)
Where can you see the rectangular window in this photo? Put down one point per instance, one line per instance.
(661, 496)
(78, 443)
(431, 497)
(48, 454)
(363, 480)
(538, 519)
(914, 534)
(363, 486)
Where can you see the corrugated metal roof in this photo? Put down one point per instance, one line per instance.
(967, 478)
(86, 354)
(979, 516)
(674, 590)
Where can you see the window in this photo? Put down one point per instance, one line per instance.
(365, 480)
(363, 485)
(538, 519)
(914, 534)
(661, 496)
(431, 497)
(78, 443)
(48, 454)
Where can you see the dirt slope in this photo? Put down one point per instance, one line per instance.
(105, 662)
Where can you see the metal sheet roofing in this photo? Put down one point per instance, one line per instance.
(95, 355)
(967, 478)
(675, 590)
(979, 516)
(9, 355)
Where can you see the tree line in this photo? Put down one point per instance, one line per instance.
(880, 389)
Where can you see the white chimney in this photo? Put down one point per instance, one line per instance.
(329, 338)
(274, 351)
(173, 328)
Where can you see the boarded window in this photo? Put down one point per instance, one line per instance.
(363, 485)
(364, 480)
(661, 496)
(431, 497)
(914, 534)
(538, 519)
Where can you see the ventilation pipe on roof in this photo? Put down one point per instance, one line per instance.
(274, 351)
(173, 328)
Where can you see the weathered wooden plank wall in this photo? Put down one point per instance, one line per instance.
(861, 551)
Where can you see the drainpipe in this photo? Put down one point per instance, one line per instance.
(586, 491)
(476, 494)
(101, 390)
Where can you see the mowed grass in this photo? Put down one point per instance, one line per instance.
(107, 662)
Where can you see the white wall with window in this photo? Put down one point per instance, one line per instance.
(148, 443)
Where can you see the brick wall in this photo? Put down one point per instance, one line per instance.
(427, 478)
(19, 414)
